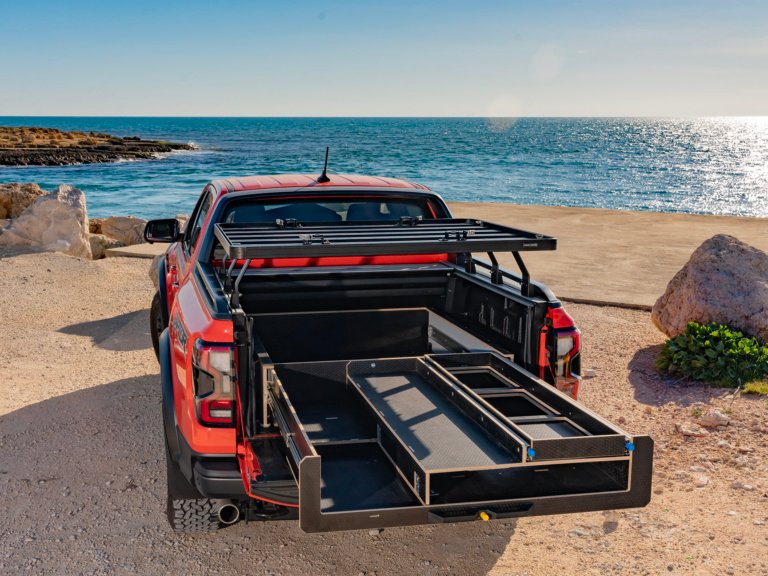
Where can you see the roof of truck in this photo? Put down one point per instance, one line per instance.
(305, 180)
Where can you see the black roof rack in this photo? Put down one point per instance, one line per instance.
(289, 239)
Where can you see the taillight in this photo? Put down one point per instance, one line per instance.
(213, 371)
(567, 346)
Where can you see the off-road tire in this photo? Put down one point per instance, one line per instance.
(193, 515)
(156, 324)
(188, 510)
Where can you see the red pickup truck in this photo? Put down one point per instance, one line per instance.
(332, 350)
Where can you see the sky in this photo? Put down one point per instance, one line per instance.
(383, 58)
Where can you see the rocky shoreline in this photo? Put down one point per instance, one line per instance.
(25, 146)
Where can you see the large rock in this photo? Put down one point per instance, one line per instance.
(154, 270)
(183, 219)
(16, 197)
(100, 244)
(57, 221)
(94, 225)
(126, 229)
(725, 281)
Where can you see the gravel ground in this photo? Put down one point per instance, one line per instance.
(82, 478)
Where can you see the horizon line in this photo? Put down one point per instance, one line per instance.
(395, 117)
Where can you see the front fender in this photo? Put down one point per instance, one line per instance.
(163, 291)
(166, 387)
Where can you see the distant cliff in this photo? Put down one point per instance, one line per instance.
(24, 146)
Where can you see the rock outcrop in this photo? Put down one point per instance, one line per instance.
(15, 197)
(100, 244)
(183, 219)
(154, 270)
(28, 146)
(57, 221)
(94, 225)
(126, 229)
(725, 281)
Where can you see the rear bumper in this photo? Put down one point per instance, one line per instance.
(218, 479)
(212, 476)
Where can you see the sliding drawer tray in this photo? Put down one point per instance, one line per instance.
(429, 427)
(395, 442)
(553, 425)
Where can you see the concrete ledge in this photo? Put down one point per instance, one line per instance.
(137, 251)
(591, 302)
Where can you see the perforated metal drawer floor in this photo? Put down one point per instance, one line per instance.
(438, 434)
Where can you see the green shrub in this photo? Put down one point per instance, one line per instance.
(759, 387)
(716, 354)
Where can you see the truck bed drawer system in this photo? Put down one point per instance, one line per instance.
(403, 441)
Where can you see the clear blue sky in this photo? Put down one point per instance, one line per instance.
(384, 58)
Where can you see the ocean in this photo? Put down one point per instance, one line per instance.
(703, 166)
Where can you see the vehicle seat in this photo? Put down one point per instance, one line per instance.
(306, 213)
(364, 211)
(248, 213)
(397, 210)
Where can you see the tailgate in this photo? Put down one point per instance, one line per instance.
(443, 438)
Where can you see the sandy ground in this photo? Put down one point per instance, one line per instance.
(82, 467)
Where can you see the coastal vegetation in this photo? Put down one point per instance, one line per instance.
(718, 355)
(35, 146)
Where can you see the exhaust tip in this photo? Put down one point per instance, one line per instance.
(229, 514)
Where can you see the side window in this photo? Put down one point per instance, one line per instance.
(194, 227)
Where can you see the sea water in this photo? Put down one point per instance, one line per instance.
(706, 166)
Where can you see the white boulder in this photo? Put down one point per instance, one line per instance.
(725, 281)
(56, 222)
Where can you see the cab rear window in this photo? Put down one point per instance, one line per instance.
(327, 210)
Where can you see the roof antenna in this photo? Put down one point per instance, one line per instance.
(323, 178)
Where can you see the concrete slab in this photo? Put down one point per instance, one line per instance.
(137, 251)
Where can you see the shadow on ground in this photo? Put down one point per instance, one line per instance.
(11, 251)
(644, 376)
(82, 476)
(655, 389)
(122, 333)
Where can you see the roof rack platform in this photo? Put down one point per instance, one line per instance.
(290, 239)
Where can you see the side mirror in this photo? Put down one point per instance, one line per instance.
(166, 230)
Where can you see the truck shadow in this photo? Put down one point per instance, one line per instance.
(82, 475)
(126, 332)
